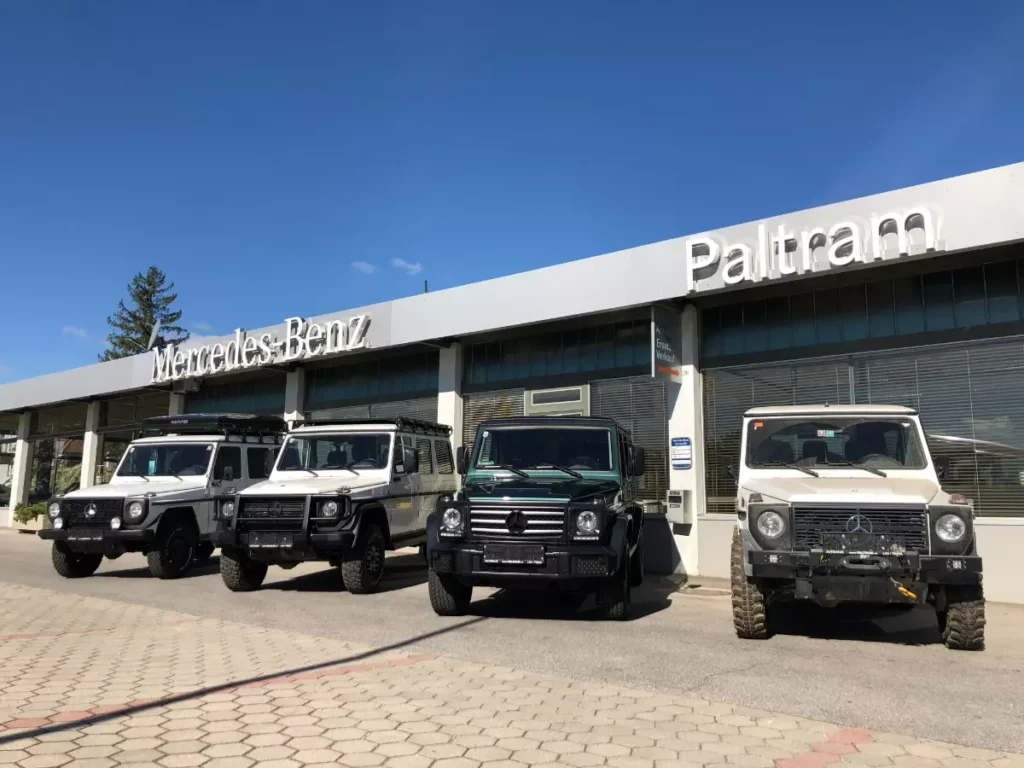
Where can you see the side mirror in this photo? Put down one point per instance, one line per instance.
(942, 465)
(639, 461)
(730, 469)
(411, 460)
(460, 460)
(229, 474)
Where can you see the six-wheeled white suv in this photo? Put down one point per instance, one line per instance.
(843, 504)
(343, 491)
(162, 498)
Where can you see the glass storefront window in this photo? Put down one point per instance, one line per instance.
(56, 467)
(60, 419)
(132, 409)
(263, 395)
(389, 378)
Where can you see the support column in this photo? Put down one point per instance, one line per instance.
(686, 420)
(449, 392)
(176, 406)
(92, 444)
(295, 395)
(21, 477)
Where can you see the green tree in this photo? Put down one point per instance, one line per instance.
(151, 299)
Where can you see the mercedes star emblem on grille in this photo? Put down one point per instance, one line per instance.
(275, 508)
(858, 524)
(90, 510)
(516, 521)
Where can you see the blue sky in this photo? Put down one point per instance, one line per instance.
(294, 158)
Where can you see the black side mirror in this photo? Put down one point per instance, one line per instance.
(639, 461)
(411, 460)
(460, 460)
(730, 469)
(942, 465)
(229, 474)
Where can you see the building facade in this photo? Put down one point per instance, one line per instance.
(912, 297)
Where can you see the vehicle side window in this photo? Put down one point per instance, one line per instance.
(261, 461)
(426, 462)
(443, 451)
(228, 456)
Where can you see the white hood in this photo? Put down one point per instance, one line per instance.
(136, 486)
(845, 490)
(314, 486)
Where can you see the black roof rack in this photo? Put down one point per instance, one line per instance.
(214, 423)
(399, 422)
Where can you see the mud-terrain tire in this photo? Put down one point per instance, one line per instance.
(239, 573)
(963, 626)
(174, 551)
(615, 595)
(73, 565)
(362, 567)
(749, 607)
(636, 564)
(448, 596)
(204, 551)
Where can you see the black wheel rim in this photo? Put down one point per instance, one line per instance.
(179, 552)
(374, 560)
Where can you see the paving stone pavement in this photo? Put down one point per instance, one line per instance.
(95, 683)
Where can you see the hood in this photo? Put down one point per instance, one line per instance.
(845, 490)
(314, 486)
(139, 487)
(569, 489)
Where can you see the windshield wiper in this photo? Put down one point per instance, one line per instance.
(298, 469)
(142, 475)
(567, 471)
(338, 466)
(865, 467)
(806, 470)
(506, 467)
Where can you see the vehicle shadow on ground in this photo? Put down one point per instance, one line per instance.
(399, 573)
(208, 568)
(917, 626)
(543, 604)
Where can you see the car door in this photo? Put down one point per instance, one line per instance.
(224, 483)
(428, 482)
(401, 503)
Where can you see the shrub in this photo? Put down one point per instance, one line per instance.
(26, 513)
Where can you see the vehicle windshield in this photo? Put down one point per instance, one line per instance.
(345, 451)
(170, 459)
(859, 441)
(578, 450)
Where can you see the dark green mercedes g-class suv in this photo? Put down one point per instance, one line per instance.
(546, 501)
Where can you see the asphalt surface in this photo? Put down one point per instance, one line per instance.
(890, 674)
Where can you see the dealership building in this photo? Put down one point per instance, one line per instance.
(913, 297)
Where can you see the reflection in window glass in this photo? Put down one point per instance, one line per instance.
(756, 334)
(1002, 292)
(969, 289)
(908, 299)
(938, 301)
(880, 309)
(826, 315)
(777, 319)
(801, 310)
(854, 313)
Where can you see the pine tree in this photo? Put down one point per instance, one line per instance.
(151, 299)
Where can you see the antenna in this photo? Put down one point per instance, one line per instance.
(425, 289)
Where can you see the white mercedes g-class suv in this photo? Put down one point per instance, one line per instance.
(162, 498)
(343, 491)
(842, 503)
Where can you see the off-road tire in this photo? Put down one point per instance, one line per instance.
(73, 565)
(749, 607)
(174, 551)
(964, 626)
(448, 596)
(362, 567)
(636, 564)
(204, 551)
(614, 596)
(239, 573)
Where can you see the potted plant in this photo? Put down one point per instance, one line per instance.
(29, 517)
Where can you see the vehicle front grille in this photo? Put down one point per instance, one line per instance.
(543, 523)
(76, 511)
(271, 513)
(850, 525)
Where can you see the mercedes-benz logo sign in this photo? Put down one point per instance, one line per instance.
(90, 510)
(858, 524)
(275, 508)
(516, 521)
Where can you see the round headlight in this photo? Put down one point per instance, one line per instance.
(451, 519)
(227, 509)
(330, 508)
(58, 523)
(950, 528)
(586, 521)
(54, 510)
(135, 510)
(771, 524)
(115, 523)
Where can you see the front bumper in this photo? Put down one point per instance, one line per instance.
(466, 559)
(98, 539)
(816, 565)
(286, 545)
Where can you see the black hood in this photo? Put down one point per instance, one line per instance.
(569, 489)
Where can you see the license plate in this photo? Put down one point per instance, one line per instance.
(514, 554)
(85, 535)
(861, 542)
(263, 540)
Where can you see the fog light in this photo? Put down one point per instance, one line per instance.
(115, 523)
(54, 510)
(58, 523)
